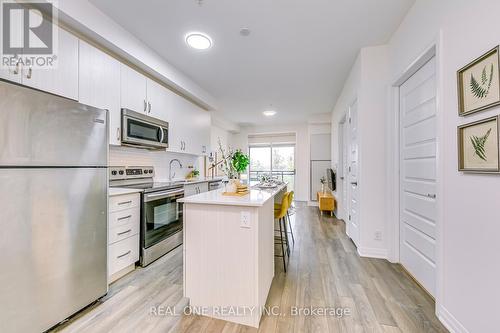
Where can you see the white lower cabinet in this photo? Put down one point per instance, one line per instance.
(123, 234)
(193, 189)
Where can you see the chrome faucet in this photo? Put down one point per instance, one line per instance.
(170, 176)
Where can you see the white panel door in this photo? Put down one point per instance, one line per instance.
(345, 166)
(98, 75)
(418, 176)
(352, 227)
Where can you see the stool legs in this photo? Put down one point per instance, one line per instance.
(291, 229)
(282, 245)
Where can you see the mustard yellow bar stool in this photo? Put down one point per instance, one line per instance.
(282, 240)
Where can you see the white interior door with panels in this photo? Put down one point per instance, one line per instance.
(352, 226)
(344, 178)
(418, 166)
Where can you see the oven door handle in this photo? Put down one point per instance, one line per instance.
(161, 195)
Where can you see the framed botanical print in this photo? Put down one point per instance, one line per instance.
(479, 84)
(478, 147)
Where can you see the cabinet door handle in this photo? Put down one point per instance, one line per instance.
(16, 69)
(125, 202)
(123, 255)
(118, 133)
(433, 196)
(124, 232)
(149, 107)
(354, 183)
(30, 72)
(124, 217)
(145, 105)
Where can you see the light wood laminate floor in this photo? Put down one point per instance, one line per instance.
(324, 272)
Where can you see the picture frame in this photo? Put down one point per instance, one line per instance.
(479, 84)
(478, 146)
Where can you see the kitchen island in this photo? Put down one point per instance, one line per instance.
(229, 253)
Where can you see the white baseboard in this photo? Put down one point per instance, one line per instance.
(372, 252)
(449, 321)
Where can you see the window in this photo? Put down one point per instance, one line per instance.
(277, 160)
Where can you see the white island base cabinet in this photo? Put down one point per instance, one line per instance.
(228, 259)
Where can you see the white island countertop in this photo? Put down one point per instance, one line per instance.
(256, 198)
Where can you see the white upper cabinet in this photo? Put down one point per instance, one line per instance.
(159, 100)
(133, 90)
(63, 79)
(98, 76)
(13, 72)
(189, 128)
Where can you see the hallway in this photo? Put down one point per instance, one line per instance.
(324, 272)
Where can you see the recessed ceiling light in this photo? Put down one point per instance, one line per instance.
(269, 113)
(198, 40)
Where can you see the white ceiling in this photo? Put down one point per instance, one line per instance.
(296, 58)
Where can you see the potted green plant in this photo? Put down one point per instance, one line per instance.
(233, 163)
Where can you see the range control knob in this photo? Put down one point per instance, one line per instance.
(120, 172)
(114, 172)
(150, 170)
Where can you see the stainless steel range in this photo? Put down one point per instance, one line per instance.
(161, 213)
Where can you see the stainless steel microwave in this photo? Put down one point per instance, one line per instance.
(143, 131)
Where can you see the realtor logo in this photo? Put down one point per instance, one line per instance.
(28, 33)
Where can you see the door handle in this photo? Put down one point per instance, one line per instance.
(118, 133)
(123, 255)
(124, 217)
(433, 196)
(125, 202)
(30, 72)
(354, 183)
(16, 69)
(145, 105)
(149, 107)
(124, 232)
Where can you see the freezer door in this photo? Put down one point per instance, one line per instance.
(39, 129)
(53, 245)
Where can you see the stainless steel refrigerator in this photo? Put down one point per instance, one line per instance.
(53, 208)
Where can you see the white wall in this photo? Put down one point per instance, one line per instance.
(471, 270)
(240, 141)
(129, 156)
(368, 84)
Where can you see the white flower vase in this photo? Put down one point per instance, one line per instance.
(231, 186)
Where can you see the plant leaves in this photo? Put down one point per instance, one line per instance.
(481, 90)
(478, 143)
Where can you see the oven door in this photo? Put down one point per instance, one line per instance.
(141, 130)
(162, 216)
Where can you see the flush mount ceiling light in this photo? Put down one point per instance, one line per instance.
(198, 40)
(269, 113)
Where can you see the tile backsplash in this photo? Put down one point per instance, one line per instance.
(128, 156)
